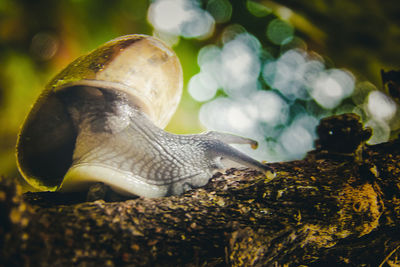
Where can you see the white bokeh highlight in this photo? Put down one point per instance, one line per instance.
(271, 108)
(380, 106)
(277, 101)
(284, 118)
(202, 86)
(240, 65)
(180, 18)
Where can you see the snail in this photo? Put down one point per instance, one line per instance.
(101, 119)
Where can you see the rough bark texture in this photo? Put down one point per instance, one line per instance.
(332, 208)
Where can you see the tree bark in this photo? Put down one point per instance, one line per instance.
(335, 207)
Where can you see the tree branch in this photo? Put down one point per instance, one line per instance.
(330, 208)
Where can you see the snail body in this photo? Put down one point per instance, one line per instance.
(101, 120)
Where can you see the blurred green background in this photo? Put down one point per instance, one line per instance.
(39, 38)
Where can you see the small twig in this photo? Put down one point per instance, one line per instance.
(388, 256)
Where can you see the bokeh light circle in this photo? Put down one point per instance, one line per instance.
(279, 32)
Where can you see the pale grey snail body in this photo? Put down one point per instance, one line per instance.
(101, 120)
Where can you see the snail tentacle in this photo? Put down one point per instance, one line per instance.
(232, 139)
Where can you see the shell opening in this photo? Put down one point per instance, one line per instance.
(44, 156)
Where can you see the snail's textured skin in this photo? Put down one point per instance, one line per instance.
(99, 121)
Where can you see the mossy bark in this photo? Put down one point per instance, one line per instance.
(329, 209)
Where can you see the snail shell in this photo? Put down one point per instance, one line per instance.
(100, 119)
(47, 138)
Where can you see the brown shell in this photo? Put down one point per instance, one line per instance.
(139, 65)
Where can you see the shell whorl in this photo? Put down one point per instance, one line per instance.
(139, 65)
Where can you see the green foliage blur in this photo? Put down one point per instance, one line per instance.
(39, 38)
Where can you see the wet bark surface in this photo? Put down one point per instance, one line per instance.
(335, 207)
